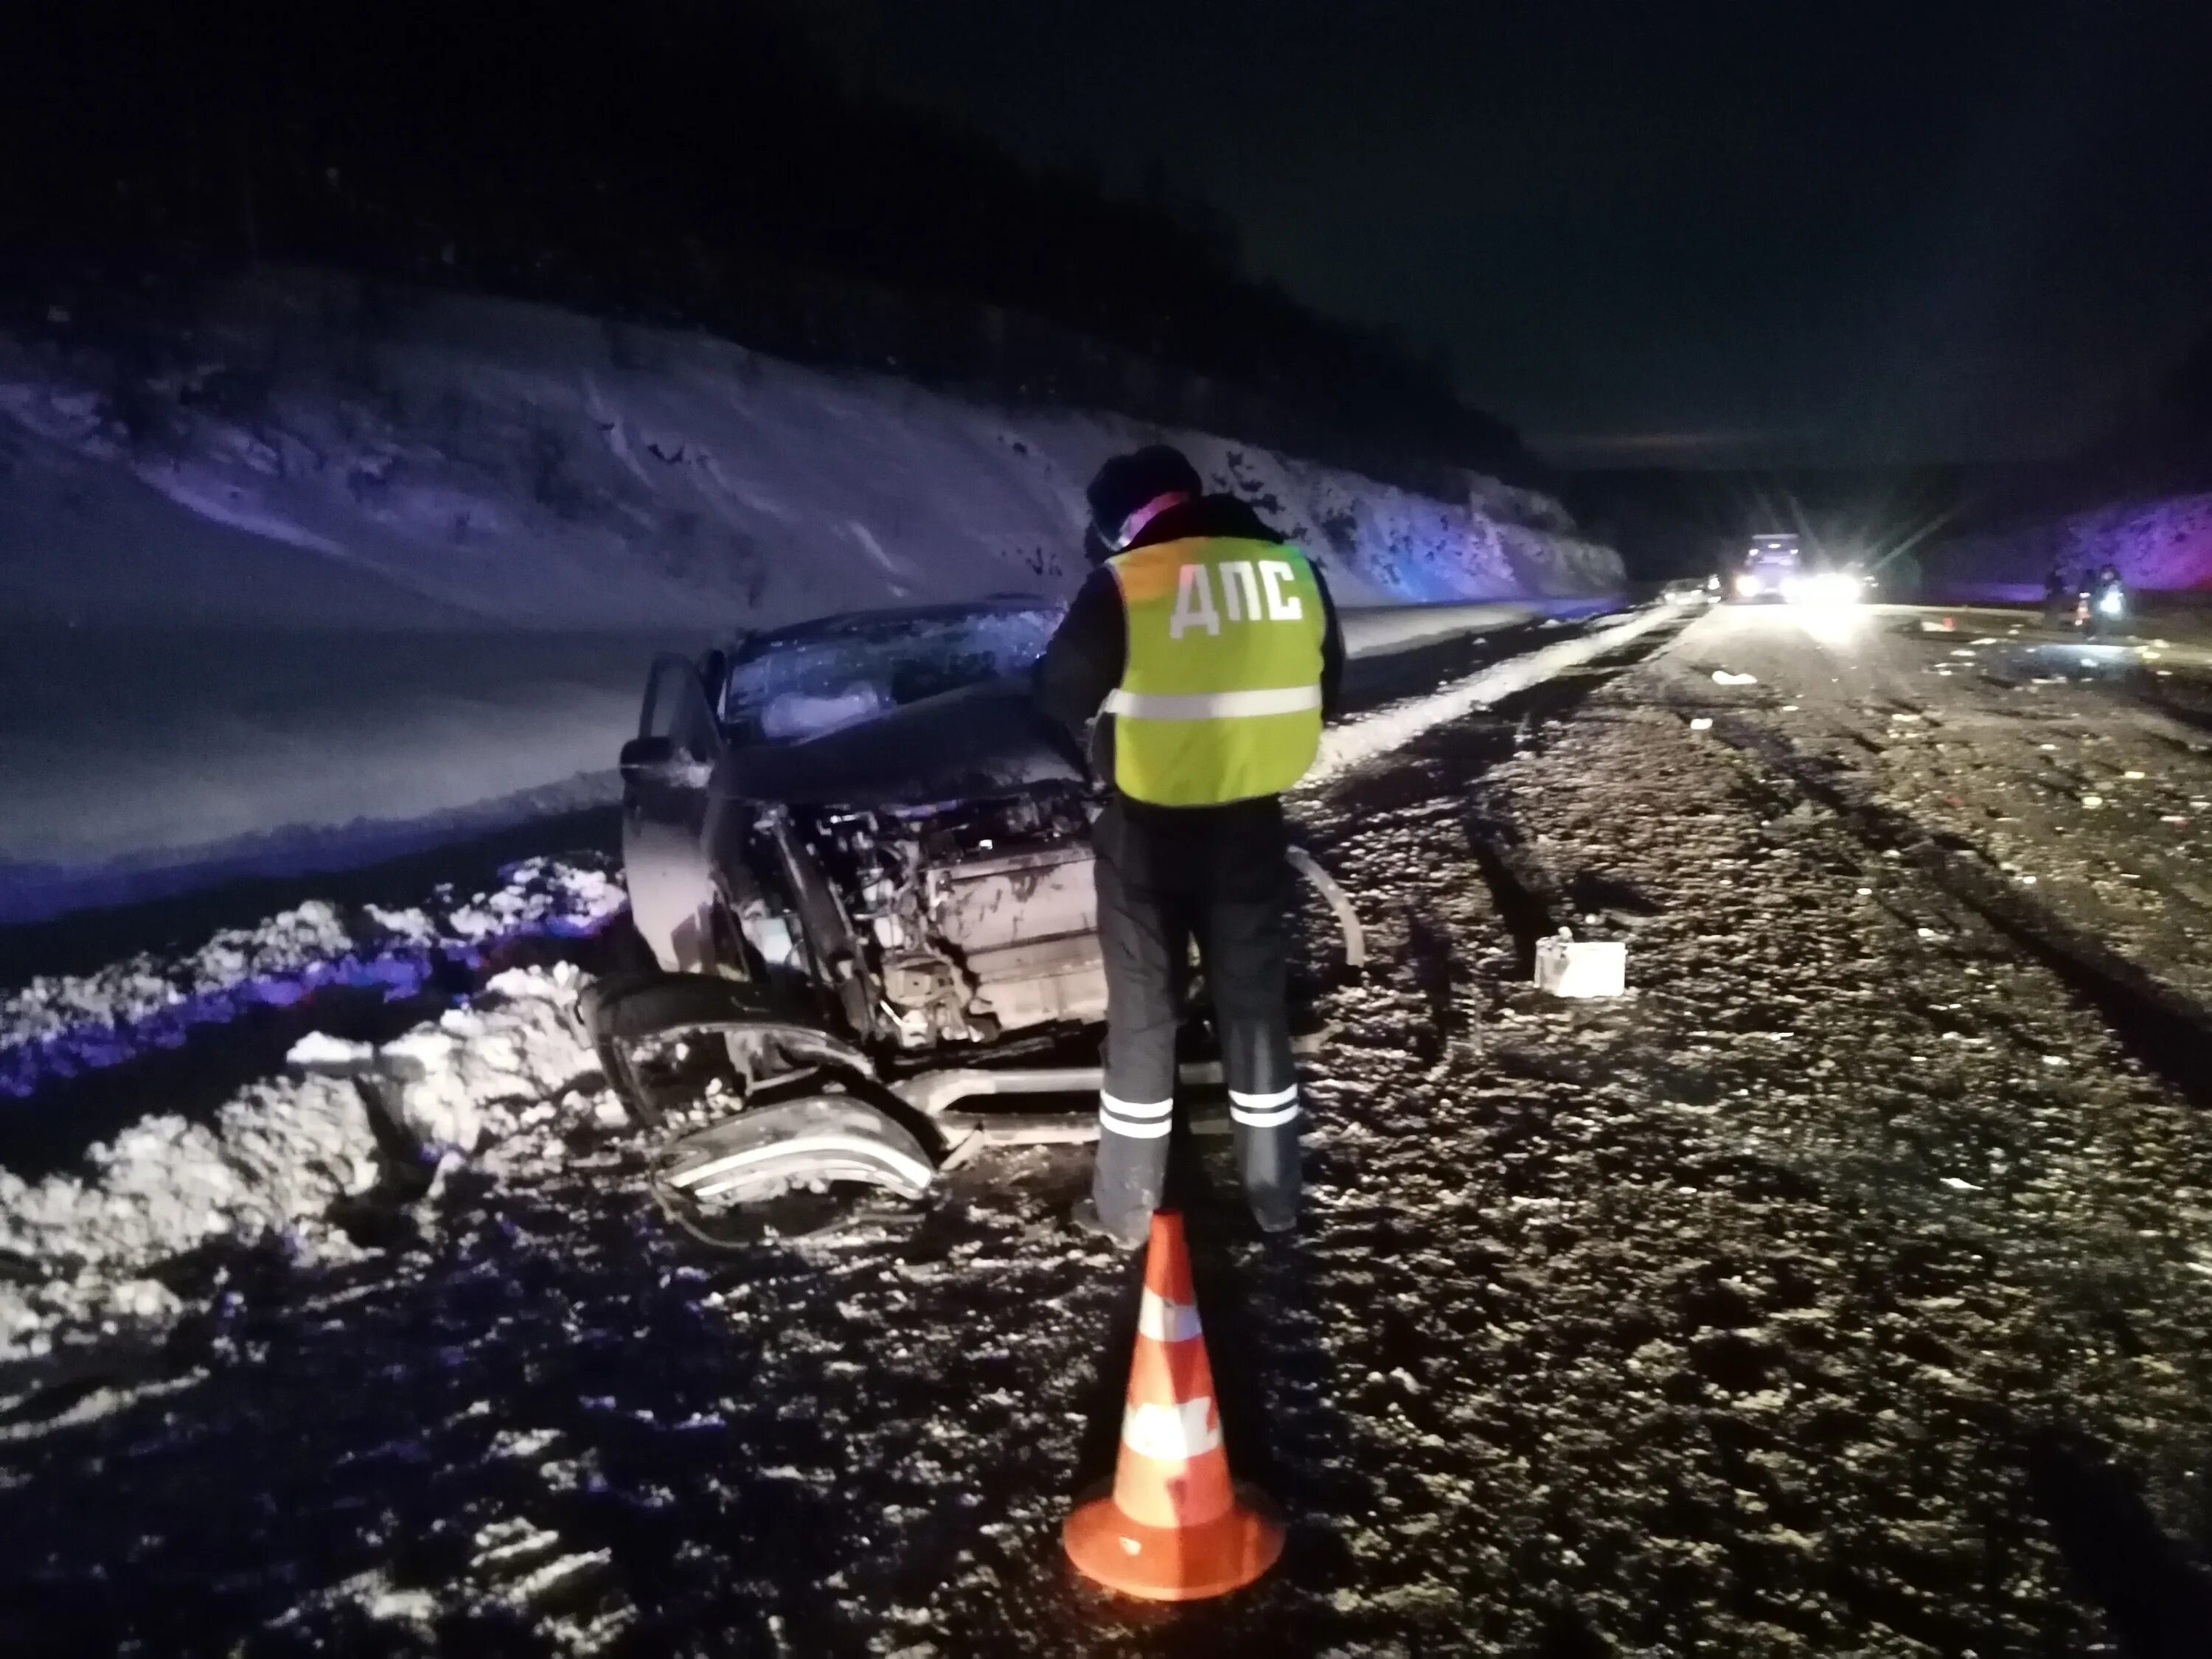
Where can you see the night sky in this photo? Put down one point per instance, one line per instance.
(1784, 231)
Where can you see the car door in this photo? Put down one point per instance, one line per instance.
(667, 773)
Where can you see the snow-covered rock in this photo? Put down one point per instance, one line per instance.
(55, 1025)
(495, 1081)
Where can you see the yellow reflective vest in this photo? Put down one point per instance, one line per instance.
(1220, 697)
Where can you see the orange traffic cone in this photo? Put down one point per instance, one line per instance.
(1173, 1528)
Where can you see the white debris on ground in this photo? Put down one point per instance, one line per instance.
(1568, 967)
(493, 1081)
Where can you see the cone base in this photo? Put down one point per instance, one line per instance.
(1171, 1563)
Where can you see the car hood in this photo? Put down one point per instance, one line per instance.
(989, 738)
(977, 741)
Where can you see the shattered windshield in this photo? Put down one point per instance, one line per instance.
(802, 681)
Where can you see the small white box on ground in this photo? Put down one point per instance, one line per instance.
(1569, 967)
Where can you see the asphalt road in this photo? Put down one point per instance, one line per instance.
(1845, 1289)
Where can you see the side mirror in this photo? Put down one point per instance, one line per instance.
(647, 755)
(662, 764)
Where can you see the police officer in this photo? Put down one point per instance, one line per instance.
(1207, 651)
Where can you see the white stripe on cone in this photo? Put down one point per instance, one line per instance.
(1183, 1431)
(1165, 1321)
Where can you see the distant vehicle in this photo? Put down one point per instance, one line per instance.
(1776, 570)
(1768, 569)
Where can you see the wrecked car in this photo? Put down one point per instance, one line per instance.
(860, 861)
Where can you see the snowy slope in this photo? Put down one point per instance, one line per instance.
(2161, 545)
(332, 567)
(309, 453)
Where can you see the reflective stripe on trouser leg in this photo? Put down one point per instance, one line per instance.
(1247, 949)
(1267, 1131)
(1267, 1162)
(1147, 1122)
(1130, 1174)
(1264, 1111)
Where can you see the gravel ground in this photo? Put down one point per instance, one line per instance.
(2080, 770)
(1845, 1289)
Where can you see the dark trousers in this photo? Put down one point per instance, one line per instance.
(1218, 877)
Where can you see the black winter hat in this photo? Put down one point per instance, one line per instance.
(1129, 482)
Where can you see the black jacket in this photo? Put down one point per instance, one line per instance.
(1088, 652)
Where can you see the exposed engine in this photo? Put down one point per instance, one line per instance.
(968, 920)
(827, 952)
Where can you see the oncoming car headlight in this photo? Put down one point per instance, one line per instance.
(1749, 586)
(1830, 587)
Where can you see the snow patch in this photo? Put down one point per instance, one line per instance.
(284, 946)
(1346, 748)
(273, 1160)
(62, 1024)
(481, 1081)
(453, 1085)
